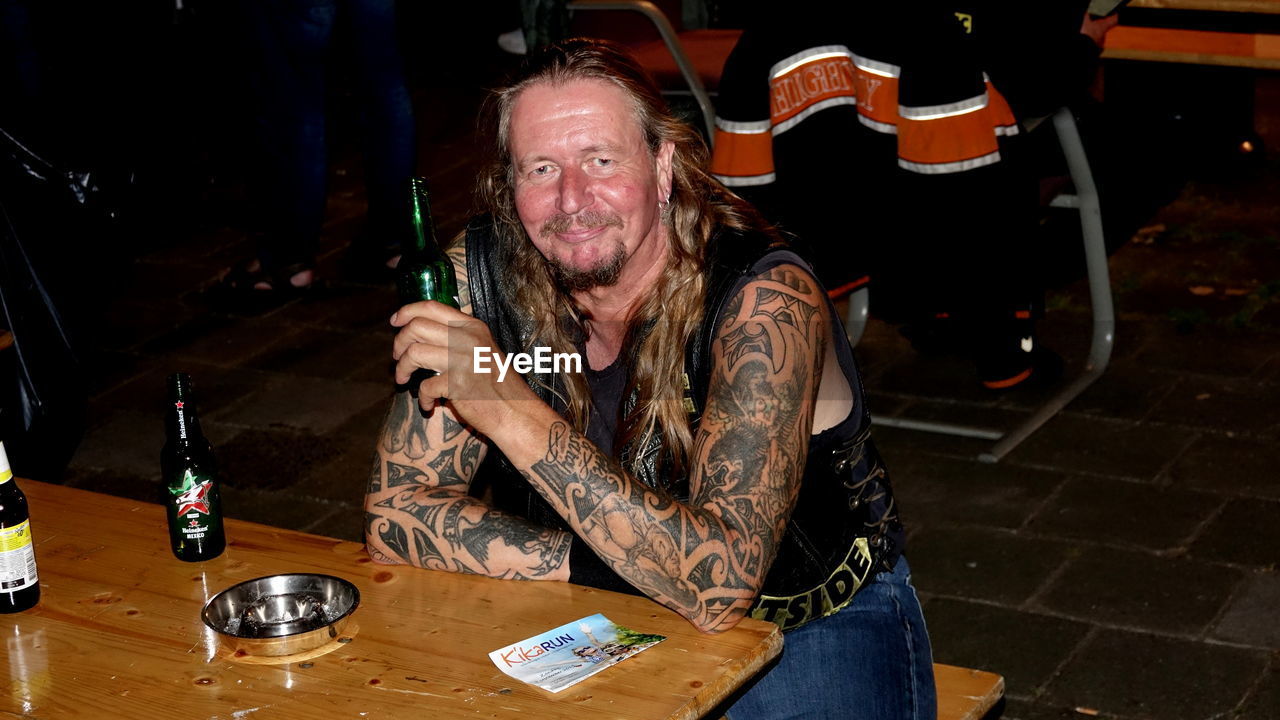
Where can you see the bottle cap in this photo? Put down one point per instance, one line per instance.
(5, 472)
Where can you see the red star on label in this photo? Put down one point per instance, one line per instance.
(178, 404)
(193, 523)
(194, 499)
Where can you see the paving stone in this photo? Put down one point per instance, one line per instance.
(214, 388)
(1209, 352)
(1135, 675)
(1104, 510)
(234, 344)
(273, 459)
(1263, 701)
(1125, 392)
(343, 307)
(127, 324)
(324, 354)
(1235, 466)
(1018, 709)
(301, 403)
(129, 443)
(148, 281)
(281, 509)
(946, 377)
(1253, 617)
(932, 489)
(127, 485)
(344, 522)
(1140, 590)
(983, 564)
(1241, 405)
(344, 476)
(106, 370)
(984, 416)
(376, 367)
(1024, 647)
(1247, 532)
(898, 443)
(1270, 370)
(1102, 447)
(215, 339)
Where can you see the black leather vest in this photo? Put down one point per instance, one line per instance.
(845, 526)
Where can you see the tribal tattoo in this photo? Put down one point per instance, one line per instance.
(420, 514)
(707, 558)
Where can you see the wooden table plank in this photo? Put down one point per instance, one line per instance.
(1240, 6)
(966, 694)
(1193, 46)
(117, 631)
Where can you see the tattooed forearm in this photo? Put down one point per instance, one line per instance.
(707, 558)
(673, 552)
(414, 519)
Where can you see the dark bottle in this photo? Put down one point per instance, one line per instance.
(190, 476)
(424, 272)
(19, 584)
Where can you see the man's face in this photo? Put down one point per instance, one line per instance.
(587, 188)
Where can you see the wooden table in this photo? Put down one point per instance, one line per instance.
(1245, 6)
(1260, 50)
(117, 633)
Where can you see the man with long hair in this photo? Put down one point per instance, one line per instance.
(713, 451)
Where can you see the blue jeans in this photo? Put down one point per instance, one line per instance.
(290, 45)
(870, 661)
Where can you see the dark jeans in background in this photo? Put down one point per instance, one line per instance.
(290, 45)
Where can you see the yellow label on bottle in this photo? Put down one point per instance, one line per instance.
(5, 475)
(16, 537)
(17, 558)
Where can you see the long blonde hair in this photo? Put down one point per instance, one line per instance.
(666, 321)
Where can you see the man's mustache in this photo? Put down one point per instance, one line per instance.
(585, 220)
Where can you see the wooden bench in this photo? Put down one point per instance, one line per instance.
(965, 694)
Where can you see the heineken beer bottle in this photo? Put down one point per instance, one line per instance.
(191, 479)
(424, 272)
(19, 586)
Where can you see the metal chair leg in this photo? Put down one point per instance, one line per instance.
(1095, 252)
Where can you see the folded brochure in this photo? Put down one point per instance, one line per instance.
(571, 653)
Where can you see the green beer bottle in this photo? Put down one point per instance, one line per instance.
(19, 584)
(190, 476)
(424, 272)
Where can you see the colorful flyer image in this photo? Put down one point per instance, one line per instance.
(571, 653)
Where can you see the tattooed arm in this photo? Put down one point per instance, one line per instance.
(706, 559)
(418, 512)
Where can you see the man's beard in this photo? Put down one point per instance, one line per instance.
(604, 273)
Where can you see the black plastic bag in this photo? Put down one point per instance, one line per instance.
(42, 389)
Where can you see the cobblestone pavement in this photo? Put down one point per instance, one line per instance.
(1121, 562)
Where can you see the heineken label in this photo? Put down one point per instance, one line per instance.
(182, 420)
(191, 500)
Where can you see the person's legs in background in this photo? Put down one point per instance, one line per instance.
(389, 132)
(289, 43)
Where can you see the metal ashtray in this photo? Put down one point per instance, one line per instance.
(281, 614)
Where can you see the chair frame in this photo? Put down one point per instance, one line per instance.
(672, 41)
